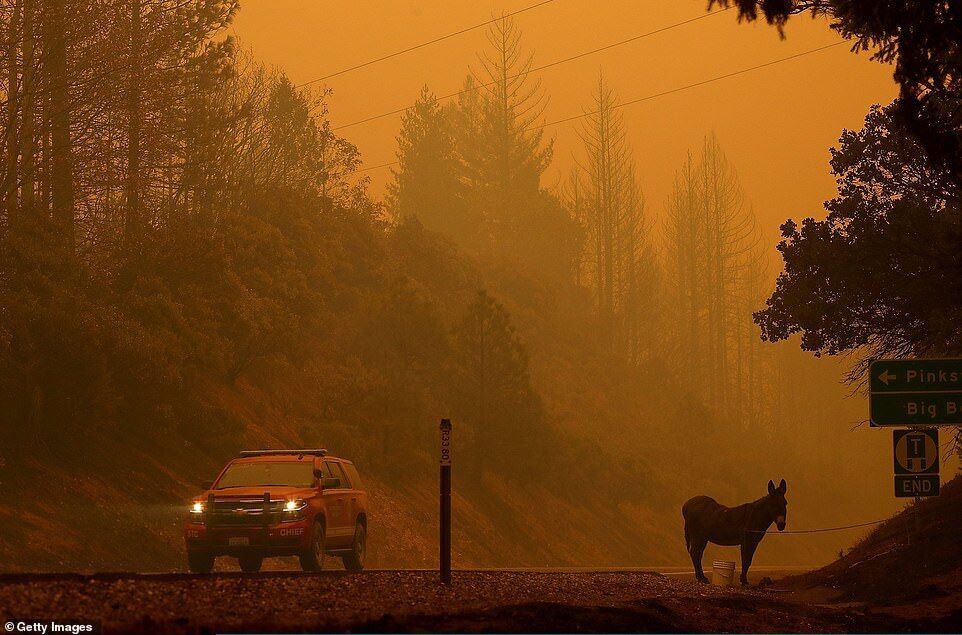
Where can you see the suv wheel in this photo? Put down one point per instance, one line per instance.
(250, 564)
(200, 562)
(354, 561)
(312, 559)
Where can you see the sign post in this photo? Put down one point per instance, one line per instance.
(445, 540)
(916, 462)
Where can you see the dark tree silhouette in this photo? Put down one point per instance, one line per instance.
(881, 273)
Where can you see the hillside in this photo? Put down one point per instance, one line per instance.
(909, 567)
(119, 506)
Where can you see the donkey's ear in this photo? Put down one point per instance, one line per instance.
(782, 487)
(771, 487)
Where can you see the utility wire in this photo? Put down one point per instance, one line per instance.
(635, 38)
(424, 44)
(661, 94)
(694, 85)
(378, 167)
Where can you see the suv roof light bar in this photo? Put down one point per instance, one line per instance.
(315, 452)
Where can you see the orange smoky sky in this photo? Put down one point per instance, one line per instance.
(776, 124)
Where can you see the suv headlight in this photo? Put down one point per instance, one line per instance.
(294, 508)
(197, 508)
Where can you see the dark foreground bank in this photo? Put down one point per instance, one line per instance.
(397, 601)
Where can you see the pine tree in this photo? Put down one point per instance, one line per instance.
(620, 259)
(58, 79)
(502, 148)
(172, 65)
(495, 390)
(684, 247)
(713, 263)
(427, 182)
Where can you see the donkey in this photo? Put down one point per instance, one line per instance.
(708, 521)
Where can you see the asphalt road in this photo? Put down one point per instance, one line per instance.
(397, 601)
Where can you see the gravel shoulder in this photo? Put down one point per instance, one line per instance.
(399, 601)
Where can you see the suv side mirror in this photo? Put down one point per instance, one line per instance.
(207, 484)
(330, 482)
(318, 473)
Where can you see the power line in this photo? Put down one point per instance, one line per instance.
(635, 38)
(378, 167)
(694, 85)
(423, 44)
(661, 94)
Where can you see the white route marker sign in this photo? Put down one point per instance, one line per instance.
(446, 444)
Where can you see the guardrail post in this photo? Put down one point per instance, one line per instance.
(445, 538)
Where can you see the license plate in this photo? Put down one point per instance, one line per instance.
(239, 541)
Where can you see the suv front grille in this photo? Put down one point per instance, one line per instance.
(244, 511)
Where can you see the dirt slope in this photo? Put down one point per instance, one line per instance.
(119, 505)
(910, 566)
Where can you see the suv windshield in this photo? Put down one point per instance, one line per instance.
(292, 473)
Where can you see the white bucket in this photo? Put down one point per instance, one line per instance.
(723, 572)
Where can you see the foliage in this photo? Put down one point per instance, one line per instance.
(427, 183)
(495, 397)
(503, 153)
(879, 273)
(618, 261)
(715, 274)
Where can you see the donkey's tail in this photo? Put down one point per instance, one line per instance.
(687, 537)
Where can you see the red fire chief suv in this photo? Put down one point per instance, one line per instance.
(266, 503)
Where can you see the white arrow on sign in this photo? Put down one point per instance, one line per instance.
(886, 377)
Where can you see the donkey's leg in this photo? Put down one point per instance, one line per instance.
(698, 545)
(748, 552)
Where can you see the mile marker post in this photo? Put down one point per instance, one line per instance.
(445, 501)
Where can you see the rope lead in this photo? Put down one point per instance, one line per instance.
(818, 531)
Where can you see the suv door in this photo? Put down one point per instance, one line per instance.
(337, 502)
(358, 501)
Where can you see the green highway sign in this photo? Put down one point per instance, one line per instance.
(919, 392)
(916, 409)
